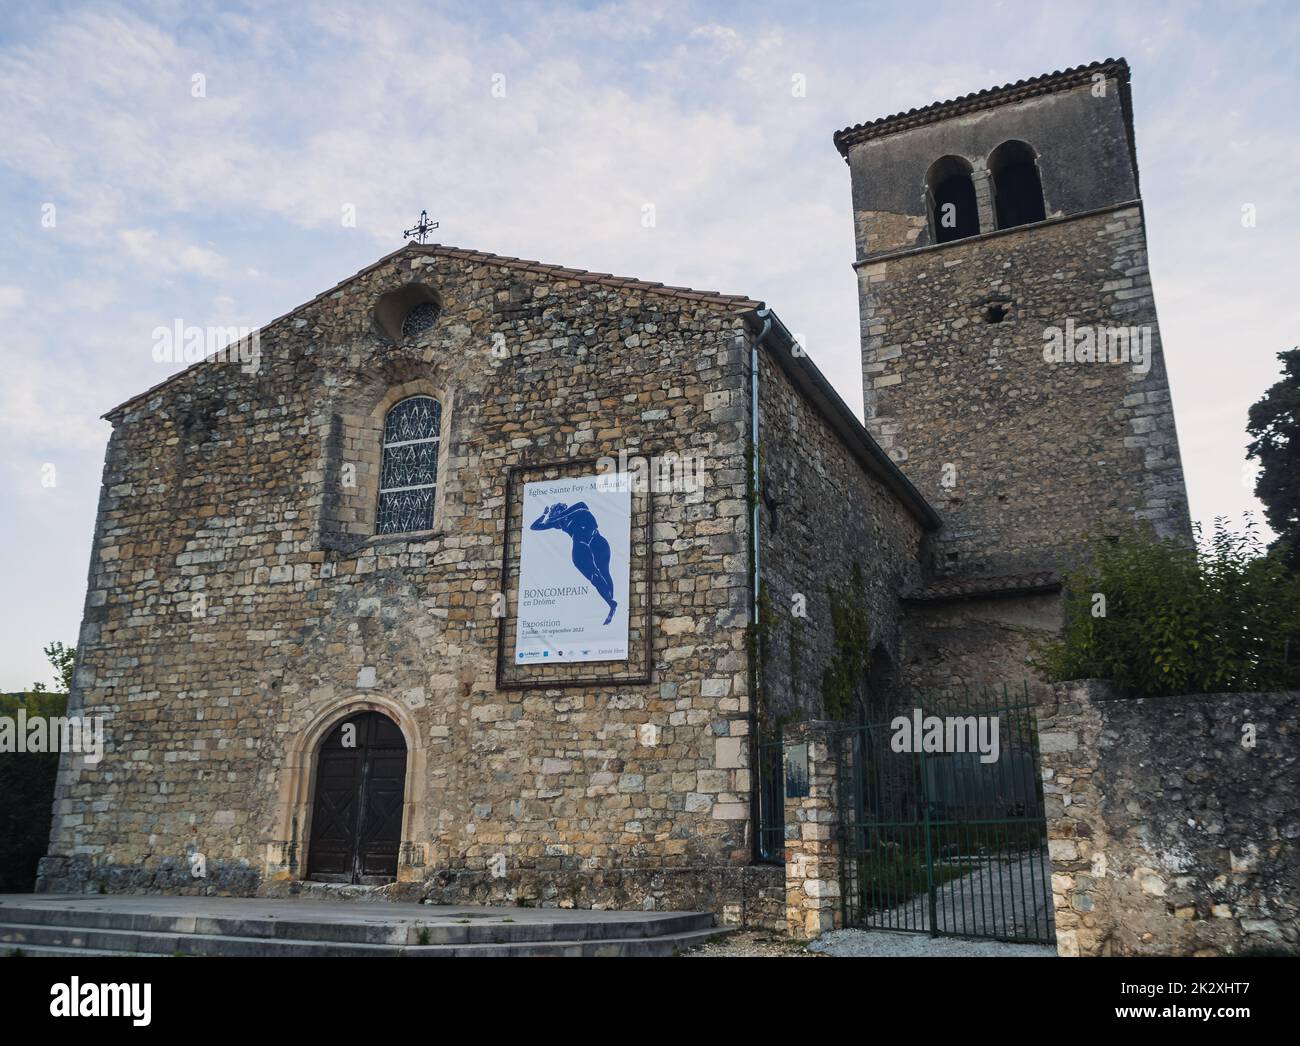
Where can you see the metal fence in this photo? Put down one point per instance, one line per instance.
(770, 769)
(942, 822)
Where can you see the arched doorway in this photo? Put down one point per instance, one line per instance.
(356, 821)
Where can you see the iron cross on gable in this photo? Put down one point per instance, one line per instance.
(421, 229)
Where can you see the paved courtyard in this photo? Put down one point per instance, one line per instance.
(999, 898)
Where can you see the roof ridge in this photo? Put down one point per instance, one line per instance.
(986, 98)
(581, 275)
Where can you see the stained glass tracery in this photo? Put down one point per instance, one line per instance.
(420, 319)
(408, 476)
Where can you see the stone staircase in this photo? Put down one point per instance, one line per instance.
(72, 925)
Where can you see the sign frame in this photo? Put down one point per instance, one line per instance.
(640, 534)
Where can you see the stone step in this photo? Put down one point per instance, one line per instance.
(444, 927)
(37, 939)
(47, 951)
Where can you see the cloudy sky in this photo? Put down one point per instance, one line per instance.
(199, 159)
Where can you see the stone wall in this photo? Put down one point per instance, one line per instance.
(237, 608)
(1026, 460)
(821, 513)
(1168, 834)
(955, 646)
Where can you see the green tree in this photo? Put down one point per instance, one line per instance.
(1158, 618)
(1274, 424)
(61, 659)
(27, 779)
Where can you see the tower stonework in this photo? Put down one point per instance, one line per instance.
(991, 231)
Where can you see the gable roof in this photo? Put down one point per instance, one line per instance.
(604, 279)
(738, 302)
(810, 381)
(813, 386)
(1048, 83)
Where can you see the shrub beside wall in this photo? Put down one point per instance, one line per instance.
(26, 796)
(1159, 618)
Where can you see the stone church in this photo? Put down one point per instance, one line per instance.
(306, 601)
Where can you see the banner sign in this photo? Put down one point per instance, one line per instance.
(574, 557)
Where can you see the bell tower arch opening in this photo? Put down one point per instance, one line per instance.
(1017, 185)
(950, 198)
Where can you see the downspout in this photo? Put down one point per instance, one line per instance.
(766, 316)
(755, 668)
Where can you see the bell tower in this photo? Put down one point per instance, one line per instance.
(1011, 357)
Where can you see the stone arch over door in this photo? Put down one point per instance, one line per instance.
(297, 789)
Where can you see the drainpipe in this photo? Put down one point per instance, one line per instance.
(755, 669)
(766, 316)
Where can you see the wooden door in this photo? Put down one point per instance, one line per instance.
(356, 825)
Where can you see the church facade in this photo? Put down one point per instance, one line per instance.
(314, 624)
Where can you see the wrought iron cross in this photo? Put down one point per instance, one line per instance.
(420, 229)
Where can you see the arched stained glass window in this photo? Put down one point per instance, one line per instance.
(408, 477)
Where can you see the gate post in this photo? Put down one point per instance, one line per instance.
(812, 845)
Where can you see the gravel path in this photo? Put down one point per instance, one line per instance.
(752, 944)
(849, 943)
(905, 945)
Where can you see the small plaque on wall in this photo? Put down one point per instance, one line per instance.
(796, 772)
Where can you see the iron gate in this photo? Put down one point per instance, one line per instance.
(946, 840)
(770, 768)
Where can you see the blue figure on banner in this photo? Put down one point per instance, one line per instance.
(590, 549)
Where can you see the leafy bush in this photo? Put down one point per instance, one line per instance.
(26, 796)
(62, 659)
(1219, 617)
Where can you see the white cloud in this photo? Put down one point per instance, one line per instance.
(168, 255)
(47, 409)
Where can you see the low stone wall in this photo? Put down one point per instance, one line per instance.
(752, 896)
(1173, 823)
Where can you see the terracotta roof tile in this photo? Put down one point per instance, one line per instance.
(1048, 83)
(970, 587)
